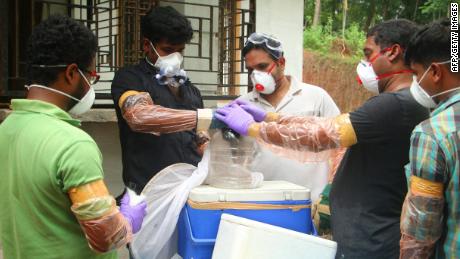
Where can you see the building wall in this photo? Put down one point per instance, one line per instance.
(284, 20)
(3, 46)
(106, 136)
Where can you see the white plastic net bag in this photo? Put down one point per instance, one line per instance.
(166, 194)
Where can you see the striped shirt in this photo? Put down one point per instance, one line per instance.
(434, 156)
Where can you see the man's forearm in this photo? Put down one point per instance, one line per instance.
(306, 133)
(421, 218)
(104, 226)
(142, 115)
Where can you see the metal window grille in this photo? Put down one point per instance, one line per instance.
(212, 59)
(236, 23)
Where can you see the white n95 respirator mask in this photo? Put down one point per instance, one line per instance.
(367, 76)
(369, 79)
(171, 62)
(83, 105)
(263, 82)
(421, 96)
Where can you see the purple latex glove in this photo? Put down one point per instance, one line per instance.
(236, 118)
(257, 113)
(133, 213)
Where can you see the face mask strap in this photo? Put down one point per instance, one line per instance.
(379, 54)
(147, 58)
(359, 80)
(52, 90)
(424, 74)
(444, 62)
(447, 91)
(375, 57)
(271, 68)
(394, 73)
(84, 77)
(46, 66)
(148, 61)
(444, 92)
(428, 69)
(151, 44)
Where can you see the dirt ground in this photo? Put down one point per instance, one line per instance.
(338, 78)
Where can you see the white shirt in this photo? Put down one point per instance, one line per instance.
(301, 100)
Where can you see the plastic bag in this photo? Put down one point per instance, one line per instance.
(166, 194)
(142, 115)
(302, 133)
(422, 218)
(231, 160)
(302, 156)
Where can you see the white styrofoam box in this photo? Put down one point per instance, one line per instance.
(240, 238)
(269, 191)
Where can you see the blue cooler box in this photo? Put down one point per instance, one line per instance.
(277, 203)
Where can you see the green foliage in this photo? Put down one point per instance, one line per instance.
(319, 38)
(366, 13)
(354, 39)
(435, 7)
(326, 38)
(323, 40)
(315, 38)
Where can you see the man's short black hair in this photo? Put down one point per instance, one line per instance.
(430, 44)
(397, 31)
(59, 40)
(165, 23)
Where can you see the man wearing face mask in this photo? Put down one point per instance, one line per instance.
(54, 201)
(430, 221)
(369, 187)
(276, 92)
(159, 110)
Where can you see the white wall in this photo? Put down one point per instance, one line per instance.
(284, 20)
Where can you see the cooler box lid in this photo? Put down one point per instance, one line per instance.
(243, 238)
(269, 191)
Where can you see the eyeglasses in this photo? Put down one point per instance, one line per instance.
(271, 43)
(93, 75)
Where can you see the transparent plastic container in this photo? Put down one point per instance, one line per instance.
(231, 160)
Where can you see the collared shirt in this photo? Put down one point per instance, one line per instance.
(43, 154)
(300, 100)
(434, 155)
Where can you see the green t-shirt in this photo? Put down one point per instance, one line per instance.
(43, 154)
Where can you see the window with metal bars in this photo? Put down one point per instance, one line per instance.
(212, 59)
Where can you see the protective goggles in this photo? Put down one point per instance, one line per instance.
(270, 43)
